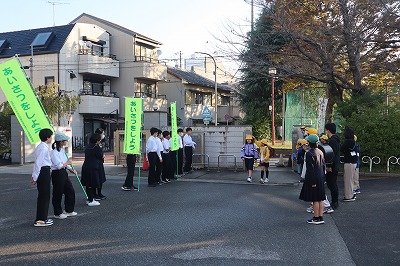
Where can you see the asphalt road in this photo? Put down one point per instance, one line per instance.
(200, 223)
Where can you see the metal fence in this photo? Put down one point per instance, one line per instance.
(79, 143)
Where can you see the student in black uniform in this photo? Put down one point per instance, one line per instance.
(41, 178)
(130, 165)
(92, 169)
(99, 195)
(313, 189)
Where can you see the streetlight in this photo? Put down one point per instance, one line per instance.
(216, 87)
(272, 72)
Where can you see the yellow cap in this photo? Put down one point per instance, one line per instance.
(355, 138)
(324, 137)
(302, 141)
(264, 141)
(312, 130)
(249, 137)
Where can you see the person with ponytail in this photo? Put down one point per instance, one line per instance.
(59, 176)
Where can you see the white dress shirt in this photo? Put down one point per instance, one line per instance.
(42, 158)
(187, 141)
(166, 145)
(58, 159)
(160, 148)
(180, 142)
(153, 146)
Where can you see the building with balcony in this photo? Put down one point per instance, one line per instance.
(140, 72)
(193, 92)
(76, 57)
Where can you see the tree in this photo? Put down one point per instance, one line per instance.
(336, 42)
(57, 105)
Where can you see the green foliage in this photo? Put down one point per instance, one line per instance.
(261, 126)
(5, 126)
(56, 103)
(375, 124)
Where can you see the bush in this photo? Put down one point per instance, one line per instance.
(375, 124)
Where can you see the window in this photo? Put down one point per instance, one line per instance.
(48, 81)
(224, 100)
(42, 40)
(93, 87)
(3, 44)
(198, 97)
(147, 90)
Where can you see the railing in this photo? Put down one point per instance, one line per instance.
(79, 143)
(392, 160)
(227, 155)
(203, 164)
(105, 94)
(371, 160)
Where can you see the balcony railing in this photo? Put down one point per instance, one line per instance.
(105, 94)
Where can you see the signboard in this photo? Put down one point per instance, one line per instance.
(206, 115)
(22, 99)
(174, 128)
(133, 125)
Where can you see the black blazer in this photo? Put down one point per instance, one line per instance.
(93, 157)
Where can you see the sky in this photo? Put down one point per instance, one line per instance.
(181, 25)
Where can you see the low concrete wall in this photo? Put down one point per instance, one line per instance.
(220, 140)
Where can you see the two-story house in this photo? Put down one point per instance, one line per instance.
(76, 57)
(193, 92)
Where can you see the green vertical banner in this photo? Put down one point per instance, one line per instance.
(133, 125)
(22, 99)
(174, 128)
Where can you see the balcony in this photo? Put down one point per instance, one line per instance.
(93, 104)
(98, 65)
(149, 70)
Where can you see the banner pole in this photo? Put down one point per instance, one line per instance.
(141, 139)
(48, 119)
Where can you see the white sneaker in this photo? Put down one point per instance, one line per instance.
(249, 179)
(93, 203)
(262, 181)
(70, 213)
(310, 209)
(266, 180)
(61, 216)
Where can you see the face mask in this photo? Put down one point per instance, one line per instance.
(180, 134)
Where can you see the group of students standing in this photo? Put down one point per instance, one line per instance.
(319, 167)
(165, 164)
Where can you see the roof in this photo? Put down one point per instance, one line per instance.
(195, 79)
(18, 42)
(117, 27)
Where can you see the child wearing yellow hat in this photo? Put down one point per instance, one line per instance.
(264, 156)
(248, 154)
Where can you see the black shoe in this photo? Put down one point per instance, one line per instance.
(134, 188)
(335, 205)
(126, 188)
(100, 197)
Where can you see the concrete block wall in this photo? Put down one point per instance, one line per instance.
(223, 140)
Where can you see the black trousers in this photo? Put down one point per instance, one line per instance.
(90, 192)
(180, 161)
(174, 161)
(62, 185)
(188, 158)
(331, 182)
(167, 171)
(153, 159)
(43, 199)
(130, 164)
